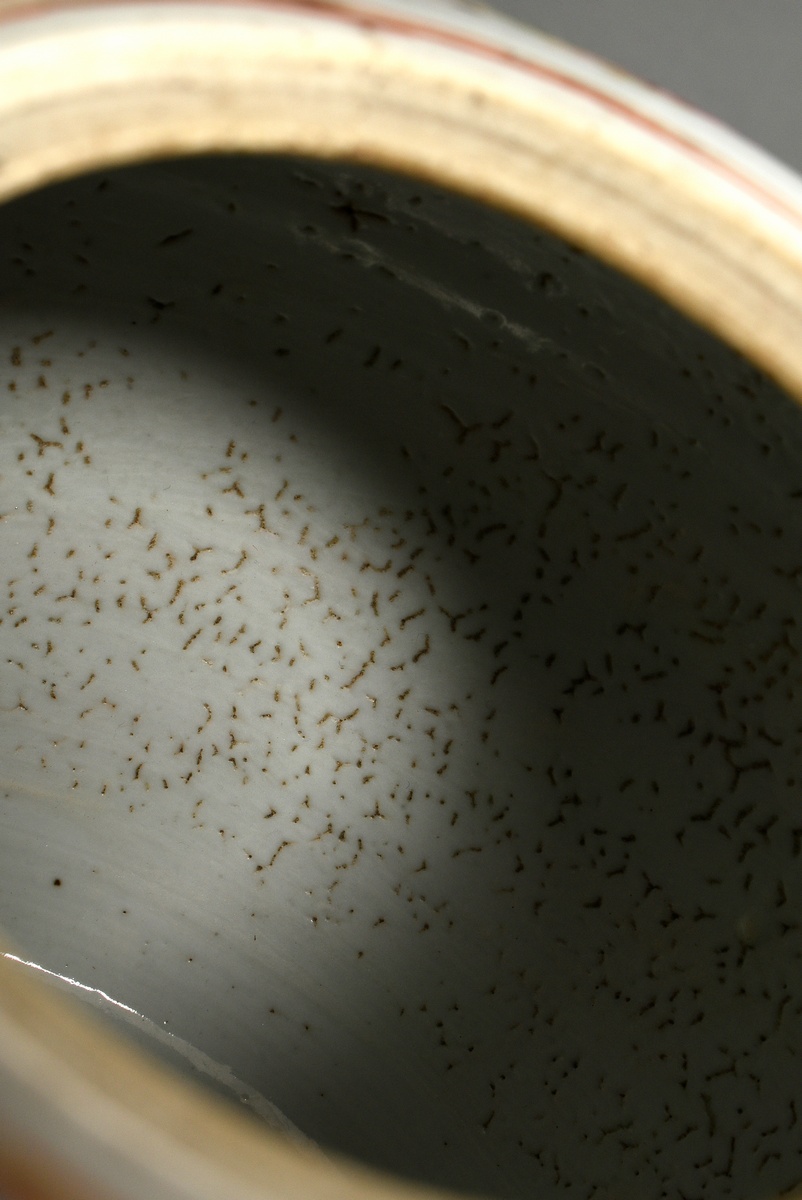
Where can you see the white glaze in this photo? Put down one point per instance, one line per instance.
(451, 800)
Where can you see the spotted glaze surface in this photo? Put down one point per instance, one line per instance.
(400, 664)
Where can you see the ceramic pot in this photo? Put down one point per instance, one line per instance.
(399, 483)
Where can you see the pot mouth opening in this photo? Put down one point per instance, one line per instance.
(587, 505)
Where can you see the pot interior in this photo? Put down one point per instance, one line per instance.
(401, 675)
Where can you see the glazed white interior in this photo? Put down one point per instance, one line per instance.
(399, 707)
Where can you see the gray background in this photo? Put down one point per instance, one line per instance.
(739, 60)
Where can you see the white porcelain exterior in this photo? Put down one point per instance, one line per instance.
(328, 523)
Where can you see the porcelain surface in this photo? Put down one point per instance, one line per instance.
(401, 663)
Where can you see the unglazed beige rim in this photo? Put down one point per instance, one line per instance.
(630, 177)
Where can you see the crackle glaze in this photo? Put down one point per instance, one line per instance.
(398, 616)
(400, 670)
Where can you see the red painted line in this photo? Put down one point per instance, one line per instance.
(421, 31)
